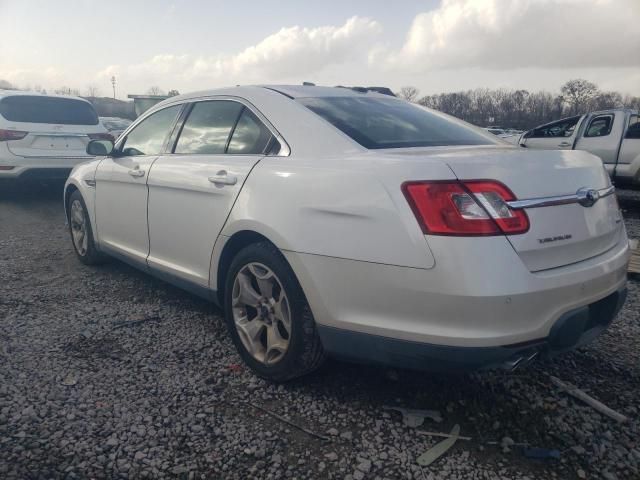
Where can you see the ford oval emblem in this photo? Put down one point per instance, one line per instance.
(587, 197)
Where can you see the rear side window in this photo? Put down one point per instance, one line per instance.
(150, 135)
(36, 109)
(250, 135)
(391, 123)
(599, 126)
(634, 128)
(208, 126)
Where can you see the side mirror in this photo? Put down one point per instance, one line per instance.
(100, 148)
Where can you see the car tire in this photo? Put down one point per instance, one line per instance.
(81, 232)
(304, 352)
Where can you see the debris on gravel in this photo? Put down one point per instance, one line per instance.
(169, 397)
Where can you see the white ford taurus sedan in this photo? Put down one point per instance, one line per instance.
(333, 222)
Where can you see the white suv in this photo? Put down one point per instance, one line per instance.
(44, 136)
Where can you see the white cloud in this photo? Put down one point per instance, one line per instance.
(290, 52)
(503, 34)
(459, 44)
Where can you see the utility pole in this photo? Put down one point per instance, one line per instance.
(113, 84)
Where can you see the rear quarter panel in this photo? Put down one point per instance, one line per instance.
(336, 207)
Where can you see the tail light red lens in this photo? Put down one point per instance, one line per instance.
(6, 135)
(469, 208)
(102, 136)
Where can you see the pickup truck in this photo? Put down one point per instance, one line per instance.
(612, 135)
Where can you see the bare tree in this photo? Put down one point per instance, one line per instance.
(6, 85)
(92, 91)
(410, 94)
(631, 102)
(155, 90)
(64, 90)
(578, 94)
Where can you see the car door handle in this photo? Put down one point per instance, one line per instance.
(136, 172)
(221, 178)
(564, 144)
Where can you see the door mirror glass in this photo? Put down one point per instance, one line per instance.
(100, 148)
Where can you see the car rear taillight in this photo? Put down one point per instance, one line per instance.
(102, 136)
(6, 135)
(469, 208)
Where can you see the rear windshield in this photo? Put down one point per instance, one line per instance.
(392, 123)
(32, 109)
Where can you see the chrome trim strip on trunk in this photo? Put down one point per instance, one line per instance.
(584, 196)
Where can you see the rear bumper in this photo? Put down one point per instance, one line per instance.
(479, 293)
(36, 173)
(574, 328)
(37, 167)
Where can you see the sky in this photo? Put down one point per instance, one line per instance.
(434, 45)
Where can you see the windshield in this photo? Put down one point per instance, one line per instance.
(391, 123)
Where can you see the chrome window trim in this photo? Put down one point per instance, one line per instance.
(581, 196)
(285, 149)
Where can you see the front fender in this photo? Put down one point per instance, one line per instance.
(82, 178)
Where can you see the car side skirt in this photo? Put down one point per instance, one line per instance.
(193, 288)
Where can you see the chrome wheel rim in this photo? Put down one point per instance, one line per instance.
(261, 313)
(78, 228)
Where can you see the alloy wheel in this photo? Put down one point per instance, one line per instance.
(78, 228)
(261, 313)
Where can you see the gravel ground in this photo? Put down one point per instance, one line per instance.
(108, 373)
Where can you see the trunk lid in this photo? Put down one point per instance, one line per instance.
(558, 235)
(43, 142)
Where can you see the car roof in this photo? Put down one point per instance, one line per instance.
(13, 93)
(305, 91)
(291, 91)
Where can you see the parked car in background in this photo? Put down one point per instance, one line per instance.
(115, 125)
(327, 221)
(512, 131)
(508, 134)
(612, 135)
(44, 136)
(498, 132)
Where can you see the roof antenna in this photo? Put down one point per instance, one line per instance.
(308, 84)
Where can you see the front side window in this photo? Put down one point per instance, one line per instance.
(599, 126)
(562, 128)
(150, 135)
(41, 109)
(208, 126)
(391, 123)
(250, 135)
